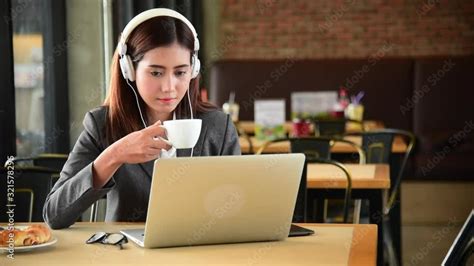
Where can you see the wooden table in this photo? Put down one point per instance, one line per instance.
(364, 176)
(333, 244)
(369, 181)
(399, 146)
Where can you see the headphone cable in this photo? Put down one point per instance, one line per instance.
(191, 108)
(138, 104)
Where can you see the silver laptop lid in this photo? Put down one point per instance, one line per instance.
(211, 200)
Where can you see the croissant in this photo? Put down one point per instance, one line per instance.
(32, 235)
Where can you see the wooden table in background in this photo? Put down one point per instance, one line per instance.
(329, 246)
(364, 176)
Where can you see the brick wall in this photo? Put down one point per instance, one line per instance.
(303, 29)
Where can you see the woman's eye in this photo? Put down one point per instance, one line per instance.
(180, 73)
(155, 73)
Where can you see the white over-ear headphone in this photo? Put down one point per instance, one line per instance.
(126, 64)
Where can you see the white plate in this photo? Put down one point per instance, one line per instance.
(52, 241)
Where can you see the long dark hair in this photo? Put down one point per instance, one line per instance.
(123, 116)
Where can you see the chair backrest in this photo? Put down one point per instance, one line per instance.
(333, 127)
(313, 148)
(329, 127)
(53, 161)
(377, 146)
(35, 179)
(24, 201)
(463, 246)
(316, 149)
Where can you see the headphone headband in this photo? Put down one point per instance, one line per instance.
(126, 64)
(151, 13)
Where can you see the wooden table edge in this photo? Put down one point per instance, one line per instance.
(378, 181)
(380, 169)
(366, 253)
(363, 245)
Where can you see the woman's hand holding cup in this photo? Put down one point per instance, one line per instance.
(142, 146)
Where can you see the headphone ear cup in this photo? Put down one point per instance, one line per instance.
(196, 66)
(126, 65)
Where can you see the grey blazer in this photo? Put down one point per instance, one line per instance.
(128, 189)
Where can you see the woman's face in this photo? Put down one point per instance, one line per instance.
(162, 78)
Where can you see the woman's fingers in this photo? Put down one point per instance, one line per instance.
(160, 143)
(155, 130)
(144, 145)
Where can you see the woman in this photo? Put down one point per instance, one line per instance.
(154, 78)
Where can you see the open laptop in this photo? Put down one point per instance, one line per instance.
(227, 199)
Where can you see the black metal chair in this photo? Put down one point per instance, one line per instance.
(47, 162)
(56, 162)
(377, 146)
(29, 187)
(316, 149)
(320, 147)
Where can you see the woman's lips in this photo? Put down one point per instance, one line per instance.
(166, 100)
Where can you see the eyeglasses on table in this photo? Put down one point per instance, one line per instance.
(108, 239)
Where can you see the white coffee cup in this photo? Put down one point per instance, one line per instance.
(182, 133)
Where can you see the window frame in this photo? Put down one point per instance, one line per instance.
(56, 103)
